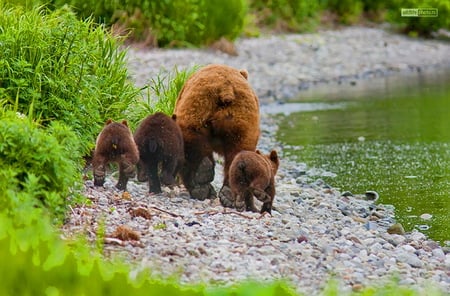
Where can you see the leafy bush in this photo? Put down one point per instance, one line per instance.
(38, 167)
(348, 11)
(68, 70)
(173, 23)
(292, 15)
(420, 25)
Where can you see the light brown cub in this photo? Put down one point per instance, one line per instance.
(115, 143)
(253, 174)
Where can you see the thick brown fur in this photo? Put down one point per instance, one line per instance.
(217, 111)
(253, 174)
(160, 143)
(115, 144)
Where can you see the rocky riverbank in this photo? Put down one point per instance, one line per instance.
(281, 66)
(315, 232)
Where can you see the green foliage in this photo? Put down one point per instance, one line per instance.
(50, 266)
(159, 95)
(66, 69)
(292, 15)
(173, 23)
(223, 19)
(420, 25)
(348, 11)
(38, 167)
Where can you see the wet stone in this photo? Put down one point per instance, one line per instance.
(396, 228)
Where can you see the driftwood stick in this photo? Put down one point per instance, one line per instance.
(224, 212)
(164, 211)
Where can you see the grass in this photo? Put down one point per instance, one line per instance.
(62, 69)
(159, 95)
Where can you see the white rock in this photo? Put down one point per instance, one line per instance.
(438, 253)
(426, 217)
(409, 258)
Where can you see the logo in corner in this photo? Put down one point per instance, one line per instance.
(419, 12)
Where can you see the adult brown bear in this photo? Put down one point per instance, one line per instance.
(217, 111)
(115, 144)
(160, 144)
(253, 174)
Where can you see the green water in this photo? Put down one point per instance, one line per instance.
(389, 136)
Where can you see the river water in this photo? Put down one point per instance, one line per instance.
(389, 135)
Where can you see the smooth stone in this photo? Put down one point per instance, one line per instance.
(423, 227)
(438, 253)
(407, 282)
(396, 239)
(426, 217)
(447, 260)
(411, 259)
(371, 225)
(396, 228)
(372, 195)
(347, 193)
(418, 236)
(408, 248)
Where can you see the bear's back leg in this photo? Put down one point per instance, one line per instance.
(168, 170)
(154, 185)
(99, 163)
(127, 166)
(198, 170)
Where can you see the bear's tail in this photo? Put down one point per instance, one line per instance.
(152, 145)
(115, 141)
(241, 166)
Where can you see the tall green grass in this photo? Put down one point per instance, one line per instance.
(172, 23)
(68, 70)
(286, 15)
(160, 94)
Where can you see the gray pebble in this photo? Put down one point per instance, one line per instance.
(410, 258)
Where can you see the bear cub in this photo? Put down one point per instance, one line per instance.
(253, 174)
(160, 145)
(115, 144)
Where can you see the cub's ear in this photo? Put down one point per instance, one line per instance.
(109, 121)
(174, 117)
(244, 73)
(124, 122)
(273, 156)
(257, 151)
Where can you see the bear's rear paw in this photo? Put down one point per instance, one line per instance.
(121, 185)
(99, 181)
(202, 192)
(226, 197)
(205, 172)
